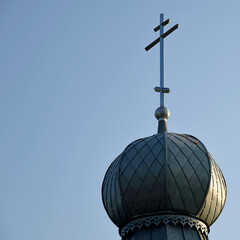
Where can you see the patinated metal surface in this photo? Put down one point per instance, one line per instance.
(166, 172)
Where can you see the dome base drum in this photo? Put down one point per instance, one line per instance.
(151, 221)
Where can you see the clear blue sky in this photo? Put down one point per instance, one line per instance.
(76, 86)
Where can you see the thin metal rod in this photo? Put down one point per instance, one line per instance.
(161, 59)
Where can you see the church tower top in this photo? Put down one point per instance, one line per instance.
(166, 186)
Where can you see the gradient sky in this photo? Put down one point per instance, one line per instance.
(76, 87)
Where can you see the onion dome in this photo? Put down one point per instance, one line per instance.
(166, 173)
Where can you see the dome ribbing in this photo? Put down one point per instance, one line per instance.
(164, 173)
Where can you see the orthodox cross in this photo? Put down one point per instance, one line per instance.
(163, 23)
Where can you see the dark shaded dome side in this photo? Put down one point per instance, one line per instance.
(116, 206)
(111, 195)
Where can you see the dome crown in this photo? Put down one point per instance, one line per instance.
(164, 173)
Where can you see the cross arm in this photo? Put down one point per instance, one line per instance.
(162, 24)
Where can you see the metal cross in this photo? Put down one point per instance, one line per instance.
(163, 23)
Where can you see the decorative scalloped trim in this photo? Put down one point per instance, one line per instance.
(165, 219)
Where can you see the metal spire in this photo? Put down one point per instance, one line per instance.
(162, 113)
